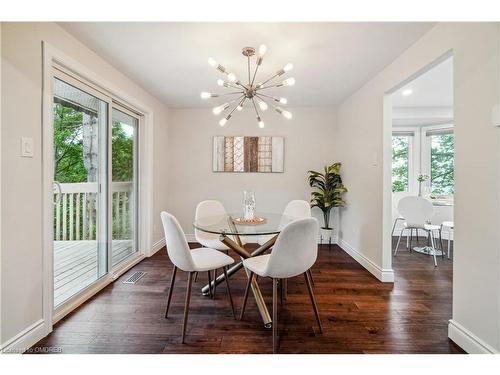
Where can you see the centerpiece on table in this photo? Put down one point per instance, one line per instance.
(249, 217)
(421, 178)
(327, 195)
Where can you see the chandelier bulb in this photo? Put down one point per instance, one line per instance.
(239, 108)
(288, 67)
(263, 105)
(231, 77)
(212, 62)
(289, 82)
(283, 100)
(262, 49)
(261, 124)
(206, 95)
(287, 115)
(223, 121)
(220, 82)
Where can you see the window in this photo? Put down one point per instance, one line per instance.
(442, 155)
(400, 162)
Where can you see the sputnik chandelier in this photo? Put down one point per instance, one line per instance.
(251, 92)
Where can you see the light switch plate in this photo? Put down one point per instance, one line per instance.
(26, 147)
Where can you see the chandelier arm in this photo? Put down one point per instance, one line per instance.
(241, 101)
(232, 93)
(268, 87)
(261, 98)
(255, 107)
(269, 79)
(267, 96)
(255, 72)
(248, 59)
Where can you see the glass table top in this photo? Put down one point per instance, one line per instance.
(225, 224)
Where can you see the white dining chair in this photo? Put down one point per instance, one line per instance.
(449, 227)
(209, 209)
(296, 209)
(294, 253)
(206, 210)
(396, 197)
(417, 213)
(190, 261)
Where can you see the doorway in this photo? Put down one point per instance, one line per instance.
(422, 165)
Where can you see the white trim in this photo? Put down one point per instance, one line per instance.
(467, 340)
(1, 320)
(52, 56)
(25, 339)
(158, 245)
(384, 275)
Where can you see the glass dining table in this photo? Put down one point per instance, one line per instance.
(230, 230)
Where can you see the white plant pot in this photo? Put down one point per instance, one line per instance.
(326, 236)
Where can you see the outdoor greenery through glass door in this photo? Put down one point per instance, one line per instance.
(123, 151)
(80, 185)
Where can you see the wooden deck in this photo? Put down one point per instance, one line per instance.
(75, 265)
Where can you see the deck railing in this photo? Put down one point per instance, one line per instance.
(75, 211)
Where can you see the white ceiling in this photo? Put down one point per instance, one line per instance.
(169, 60)
(431, 101)
(434, 88)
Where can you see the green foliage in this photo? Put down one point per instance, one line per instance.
(400, 153)
(122, 154)
(442, 164)
(68, 148)
(68, 145)
(329, 190)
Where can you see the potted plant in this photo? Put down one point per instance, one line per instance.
(328, 194)
(421, 178)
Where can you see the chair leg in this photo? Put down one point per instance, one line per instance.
(285, 292)
(433, 248)
(210, 285)
(229, 292)
(441, 240)
(394, 227)
(275, 315)
(411, 239)
(282, 290)
(215, 283)
(313, 302)
(408, 239)
(245, 297)
(195, 276)
(309, 271)
(186, 307)
(399, 241)
(169, 298)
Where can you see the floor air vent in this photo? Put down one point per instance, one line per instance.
(134, 278)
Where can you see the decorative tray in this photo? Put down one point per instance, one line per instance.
(255, 221)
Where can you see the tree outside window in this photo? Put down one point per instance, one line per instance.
(400, 163)
(442, 164)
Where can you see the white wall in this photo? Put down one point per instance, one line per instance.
(476, 282)
(21, 215)
(310, 143)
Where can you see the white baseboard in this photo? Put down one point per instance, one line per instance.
(384, 275)
(467, 340)
(25, 339)
(157, 246)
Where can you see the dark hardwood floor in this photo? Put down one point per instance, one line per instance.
(359, 313)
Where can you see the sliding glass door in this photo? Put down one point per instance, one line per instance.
(80, 117)
(95, 144)
(124, 184)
